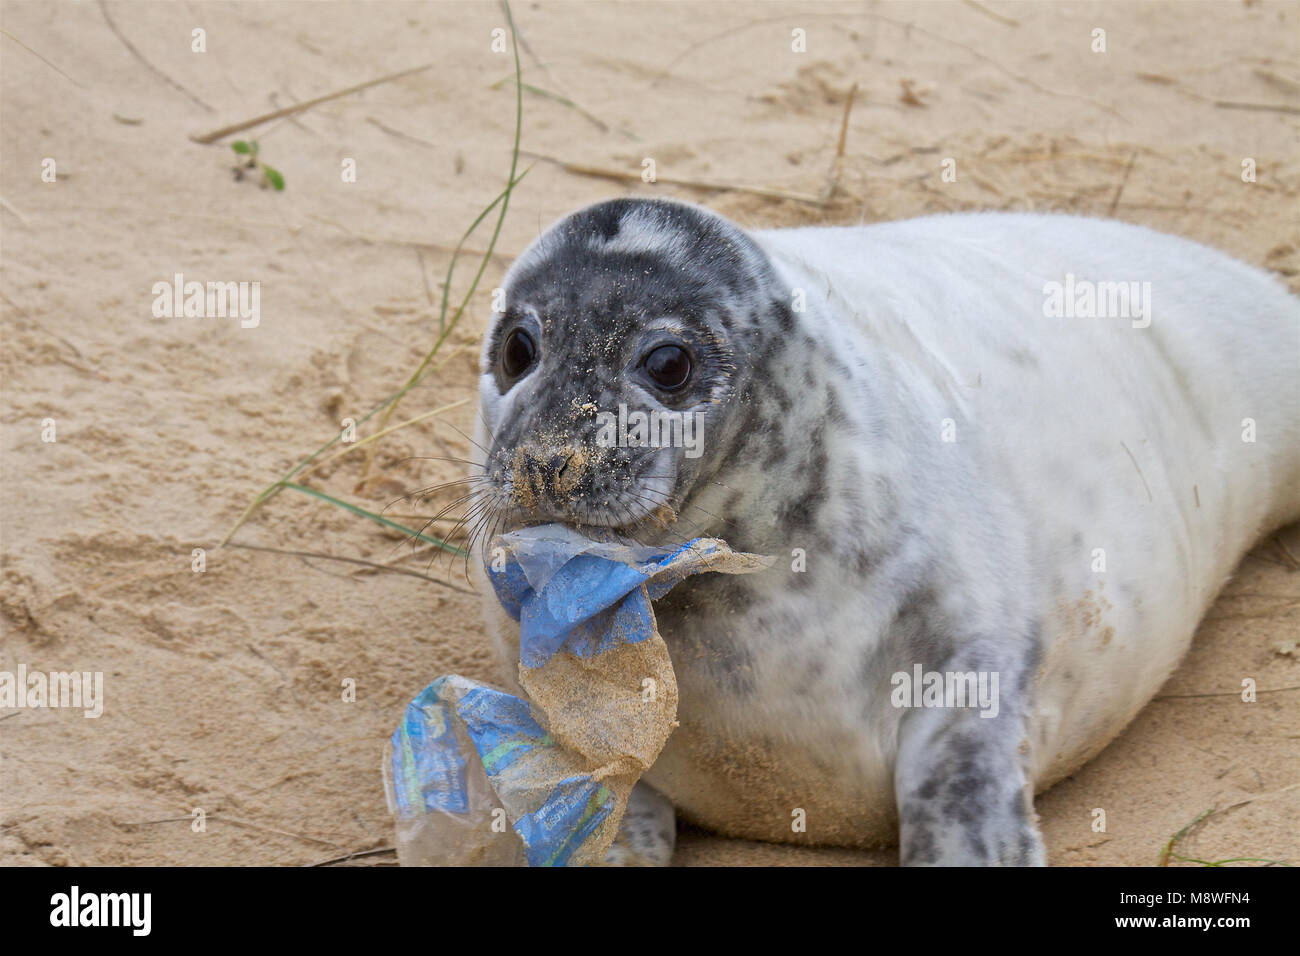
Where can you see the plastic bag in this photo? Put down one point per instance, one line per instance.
(475, 775)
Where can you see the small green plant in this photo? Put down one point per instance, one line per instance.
(1169, 853)
(270, 175)
(446, 324)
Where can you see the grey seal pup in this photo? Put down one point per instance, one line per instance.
(1005, 462)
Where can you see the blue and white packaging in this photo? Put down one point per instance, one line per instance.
(475, 775)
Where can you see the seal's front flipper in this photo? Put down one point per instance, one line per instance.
(648, 833)
(964, 795)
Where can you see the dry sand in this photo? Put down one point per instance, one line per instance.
(224, 688)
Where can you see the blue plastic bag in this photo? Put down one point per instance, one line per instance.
(463, 743)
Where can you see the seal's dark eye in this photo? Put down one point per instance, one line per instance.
(517, 354)
(668, 366)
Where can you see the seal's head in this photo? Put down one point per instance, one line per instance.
(609, 377)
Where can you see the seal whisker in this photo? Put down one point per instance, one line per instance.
(463, 461)
(485, 514)
(426, 492)
(673, 535)
(475, 508)
(486, 524)
(470, 497)
(462, 434)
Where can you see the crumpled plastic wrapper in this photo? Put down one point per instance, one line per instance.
(477, 776)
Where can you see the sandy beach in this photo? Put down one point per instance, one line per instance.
(225, 689)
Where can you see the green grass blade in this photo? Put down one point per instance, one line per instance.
(380, 519)
(445, 328)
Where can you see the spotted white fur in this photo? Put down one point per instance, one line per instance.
(954, 464)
